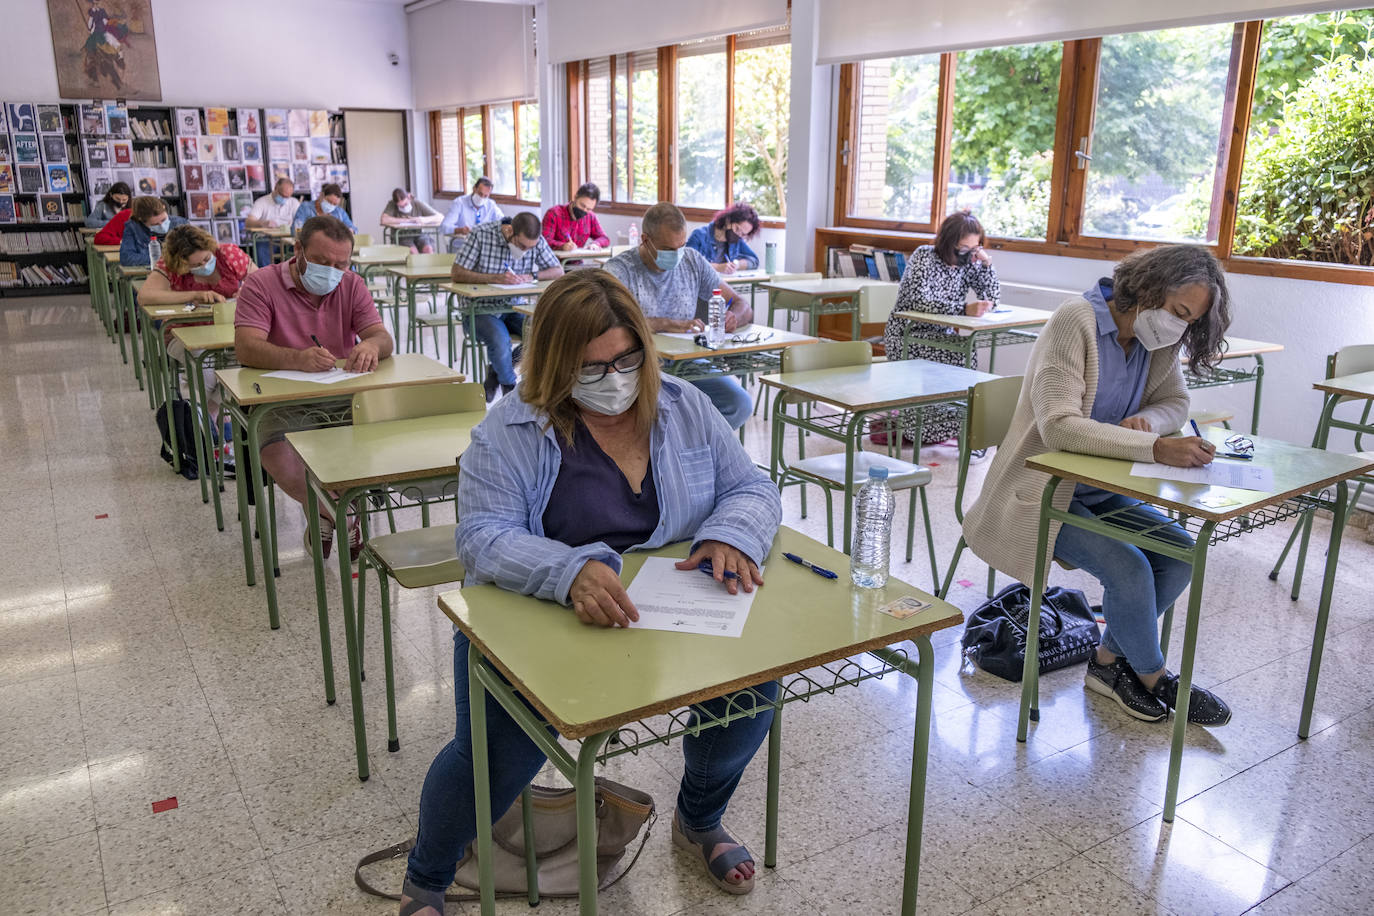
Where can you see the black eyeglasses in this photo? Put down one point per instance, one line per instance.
(591, 373)
(1241, 445)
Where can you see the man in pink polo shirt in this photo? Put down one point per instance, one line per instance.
(304, 314)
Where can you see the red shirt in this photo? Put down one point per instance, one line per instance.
(113, 232)
(232, 265)
(560, 228)
(271, 301)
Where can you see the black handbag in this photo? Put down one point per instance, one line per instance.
(995, 635)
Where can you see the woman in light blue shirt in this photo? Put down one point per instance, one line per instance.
(330, 204)
(591, 456)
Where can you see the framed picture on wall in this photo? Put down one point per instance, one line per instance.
(227, 231)
(188, 122)
(105, 50)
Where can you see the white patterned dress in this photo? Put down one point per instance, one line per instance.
(931, 285)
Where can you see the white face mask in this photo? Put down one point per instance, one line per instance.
(516, 252)
(611, 396)
(405, 207)
(1158, 328)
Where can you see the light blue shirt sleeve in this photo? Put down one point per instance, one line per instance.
(453, 218)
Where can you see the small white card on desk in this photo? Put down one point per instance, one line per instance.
(686, 601)
(514, 285)
(328, 377)
(1240, 475)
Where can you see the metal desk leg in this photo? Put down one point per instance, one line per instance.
(1259, 385)
(1333, 553)
(410, 317)
(1030, 677)
(245, 460)
(855, 330)
(199, 425)
(269, 580)
(312, 514)
(770, 832)
(856, 425)
(920, 752)
(355, 684)
(126, 297)
(1185, 668)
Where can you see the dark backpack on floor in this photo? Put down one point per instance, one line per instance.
(186, 432)
(995, 635)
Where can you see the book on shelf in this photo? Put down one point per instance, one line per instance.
(248, 123)
(49, 119)
(97, 154)
(7, 211)
(39, 242)
(9, 273)
(26, 148)
(6, 178)
(147, 185)
(251, 148)
(122, 152)
(319, 123)
(69, 274)
(150, 128)
(188, 122)
(93, 120)
(5, 154)
(319, 149)
(21, 117)
(217, 121)
(100, 181)
(257, 176)
(60, 179)
(51, 208)
(30, 179)
(168, 185)
(116, 119)
(298, 122)
(276, 123)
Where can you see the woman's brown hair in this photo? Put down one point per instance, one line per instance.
(952, 231)
(576, 309)
(1145, 279)
(181, 243)
(145, 208)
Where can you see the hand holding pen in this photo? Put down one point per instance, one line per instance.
(316, 358)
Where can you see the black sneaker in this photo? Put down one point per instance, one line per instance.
(490, 384)
(1204, 707)
(1119, 682)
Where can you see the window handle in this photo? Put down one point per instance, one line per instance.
(1081, 154)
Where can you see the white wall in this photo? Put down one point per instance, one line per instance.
(245, 52)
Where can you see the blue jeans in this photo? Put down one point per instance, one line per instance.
(494, 331)
(730, 398)
(714, 761)
(1138, 585)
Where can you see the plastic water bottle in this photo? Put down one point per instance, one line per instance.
(154, 251)
(873, 535)
(633, 235)
(715, 325)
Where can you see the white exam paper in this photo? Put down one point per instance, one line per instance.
(1241, 475)
(686, 601)
(328, 377)
(514, 285)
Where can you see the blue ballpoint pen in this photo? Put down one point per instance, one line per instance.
(1196, 432)
(706, 567)
(820, 571)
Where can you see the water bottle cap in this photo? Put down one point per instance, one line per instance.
(716, 291)
(877, 473)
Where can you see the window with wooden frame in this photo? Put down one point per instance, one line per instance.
(498, 141)
(702, 124)
(1223, 135)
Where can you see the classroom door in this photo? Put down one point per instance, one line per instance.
(377, 162)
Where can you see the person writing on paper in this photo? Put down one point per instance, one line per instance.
(115, 200)
(304, 314)
(722, 241)
(469, 211)
(1104, 378)
(508, 252)
(272, 211)
(669, 279)
(330, 204)
(195, 268)
(404, 211)
(574, 225)
(938, 279)
(599, 454)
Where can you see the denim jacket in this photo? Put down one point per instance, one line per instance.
(703, 240)
(133, 247)
(708, 489)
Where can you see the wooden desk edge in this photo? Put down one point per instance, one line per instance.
(1202, 512)
(582, 730)
(260, 400)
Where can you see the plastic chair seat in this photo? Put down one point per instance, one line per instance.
(420, 557)
(901, 475)
(432, 320)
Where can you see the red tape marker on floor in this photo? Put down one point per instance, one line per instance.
(167, 804)
(105, 515)
(965, 583)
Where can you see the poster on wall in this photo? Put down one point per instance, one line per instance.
(276, 123)
(105, 49)
(188, 122)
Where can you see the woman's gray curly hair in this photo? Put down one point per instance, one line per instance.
(1146, 278)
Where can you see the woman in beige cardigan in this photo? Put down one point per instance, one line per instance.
(1105, 379)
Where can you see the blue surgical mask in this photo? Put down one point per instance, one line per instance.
(668, 258)
(278, 199)
(320, 279)
(162, 227)
(326, 207)
(205, 269)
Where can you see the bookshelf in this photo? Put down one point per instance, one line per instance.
(42, 200)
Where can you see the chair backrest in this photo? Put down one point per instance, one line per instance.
(419, 401)
(1352, 359)
(827, 355)
(991, 405)
(437, 259)
(362, 239)
(224, 311)
(876, 302)
(383, 251)
(620, 249)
